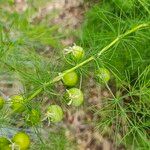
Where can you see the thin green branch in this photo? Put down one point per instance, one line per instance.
(60, 76)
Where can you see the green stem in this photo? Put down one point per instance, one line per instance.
(35, 93)
(59, 77)
(69, 70)
(108, 46)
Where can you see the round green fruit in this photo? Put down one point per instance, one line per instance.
(2, 102)
(55, 113)
(33, 118)
(77, 52)
(103, 74)
(17, 103)
(5, 144)
(7, 147)
(21, 140)
(75, 97)
(70, 79)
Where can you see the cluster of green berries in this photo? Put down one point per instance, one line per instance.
(20, 141)
(70, 79)
(54, 113)
(74, 96)
(18, 105)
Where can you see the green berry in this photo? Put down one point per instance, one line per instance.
(17, 103)
(55, 113)
(77, 52)
(21, 140)
(8, 147)
(75, 97)
(2, 102)
(4, 144)
(103, 74)
(70, 79)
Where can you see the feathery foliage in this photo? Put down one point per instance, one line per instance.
(114, 35)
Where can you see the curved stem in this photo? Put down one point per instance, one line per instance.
(59, 77)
